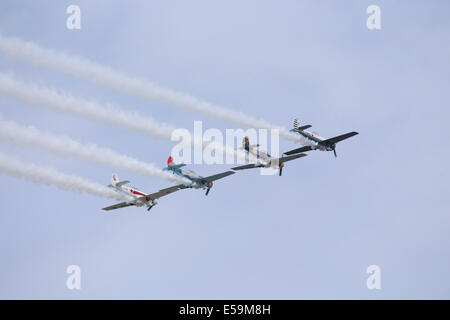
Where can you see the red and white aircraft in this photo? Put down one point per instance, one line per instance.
(140, 199)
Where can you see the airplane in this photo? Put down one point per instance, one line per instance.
(198, 182)
(139, 198)
(264, 160)
(317, 142)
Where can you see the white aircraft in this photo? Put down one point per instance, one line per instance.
(140, 199)
(317, 142)
(265, 160)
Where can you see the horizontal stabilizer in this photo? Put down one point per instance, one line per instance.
(331, 141)
(121, 183)
(303, 127)
(299, 150)
(176, 166)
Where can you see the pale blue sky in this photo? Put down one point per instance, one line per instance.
(309, 234)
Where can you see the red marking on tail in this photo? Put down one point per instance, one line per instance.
(170, 160)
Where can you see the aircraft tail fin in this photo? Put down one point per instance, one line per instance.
(115, 182)
(171, 165)
(298, 127)
(114, 179)
(246, 143)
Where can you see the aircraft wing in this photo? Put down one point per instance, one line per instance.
(289, 158)
(217, 176)
(152, 196)
(247, 166)
(299, 150)
(163, 192)
(118, 205)
(334, 140)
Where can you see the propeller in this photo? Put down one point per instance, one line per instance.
(333, 147)
(209, 188)
(281, 168)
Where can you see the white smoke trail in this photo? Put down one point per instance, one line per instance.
(29, 136)
(94, 111)
(42, 175)
(90, 110)
(105, 76)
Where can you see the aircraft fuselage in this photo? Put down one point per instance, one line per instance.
(139, 196)
(314, 139)
(192, 176)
